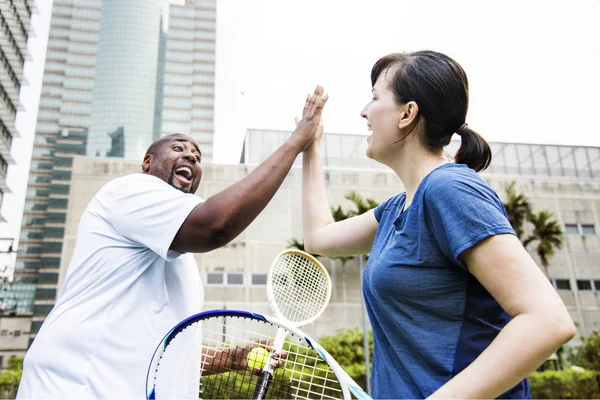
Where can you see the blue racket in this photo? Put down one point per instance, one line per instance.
(206, 356)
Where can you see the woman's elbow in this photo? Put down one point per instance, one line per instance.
(568, 331)
(312, 248)
(562, 327)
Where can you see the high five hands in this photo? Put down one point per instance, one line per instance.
(310, 128)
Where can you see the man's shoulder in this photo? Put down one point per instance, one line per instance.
(131, 182)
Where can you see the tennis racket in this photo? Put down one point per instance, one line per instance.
(299, 290)
(183, 367)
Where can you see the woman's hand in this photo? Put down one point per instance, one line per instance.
(310, 127)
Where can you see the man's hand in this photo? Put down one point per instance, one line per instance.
(240, 356)
(310, 128)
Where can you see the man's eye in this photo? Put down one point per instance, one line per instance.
(177, 148)
(198, 158)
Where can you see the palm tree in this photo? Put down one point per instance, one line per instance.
(339, 214)
(548, 233)
(295, 244)
(362, 205)
(517, 207)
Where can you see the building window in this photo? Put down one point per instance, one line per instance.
(259, 279)
(235, 278)
(225, 278)
(571, 229)
(580, 229)
(3, 167)
(17, 333)
(214, 278)
(4, 332)
(562, 284)
(588, 229)
(584, 285)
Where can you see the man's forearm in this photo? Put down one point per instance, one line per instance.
(238, 205)
(226, 214)
(215, 361)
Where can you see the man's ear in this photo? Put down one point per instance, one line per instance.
(146, 163)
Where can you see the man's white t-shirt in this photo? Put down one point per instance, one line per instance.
(124, 290)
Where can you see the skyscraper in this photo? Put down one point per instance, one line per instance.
(118, 75)
(15, 21)
(15, 30)
(154, 73)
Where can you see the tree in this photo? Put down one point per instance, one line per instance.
(517, 208)
(10, 378)
(547, 232)
(347, 348)
(587, 355)
(362, 205)
(295, 244)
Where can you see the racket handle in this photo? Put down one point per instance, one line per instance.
(267, 373)
(263, 385)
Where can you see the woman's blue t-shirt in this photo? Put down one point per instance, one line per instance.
(430, 317)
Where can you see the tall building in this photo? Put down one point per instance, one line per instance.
(188, 91)
(15, 28)
(154, 73)
(118, 75)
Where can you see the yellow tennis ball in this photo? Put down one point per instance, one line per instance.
(257, 357)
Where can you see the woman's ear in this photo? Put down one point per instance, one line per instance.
(408, 115)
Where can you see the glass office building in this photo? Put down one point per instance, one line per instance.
(510, 159)
(124, 93)
(118, 74)
(154, 74)
(15, 29)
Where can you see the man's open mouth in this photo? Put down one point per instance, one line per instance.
(184, 174)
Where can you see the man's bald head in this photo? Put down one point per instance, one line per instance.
(159, 143)
(176, 160)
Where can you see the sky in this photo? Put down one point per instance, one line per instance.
(533, 68)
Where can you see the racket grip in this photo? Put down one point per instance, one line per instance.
(263, 385)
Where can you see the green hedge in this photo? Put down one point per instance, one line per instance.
(567, 384)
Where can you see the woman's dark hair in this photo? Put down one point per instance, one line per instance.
(439, 86)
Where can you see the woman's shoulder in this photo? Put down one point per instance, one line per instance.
(394, 201)
(452, 180)
(452, 175)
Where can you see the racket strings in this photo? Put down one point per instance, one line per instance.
(179, 367)
(303, 374)
(300, 288)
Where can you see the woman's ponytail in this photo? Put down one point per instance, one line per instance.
(474, 151)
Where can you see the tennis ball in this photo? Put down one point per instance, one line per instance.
(257, 357)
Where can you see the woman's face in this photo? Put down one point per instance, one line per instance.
(383, 118)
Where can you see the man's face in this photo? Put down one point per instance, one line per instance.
(176, 160)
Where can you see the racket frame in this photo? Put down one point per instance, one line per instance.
(347, 384)
(270, 292)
